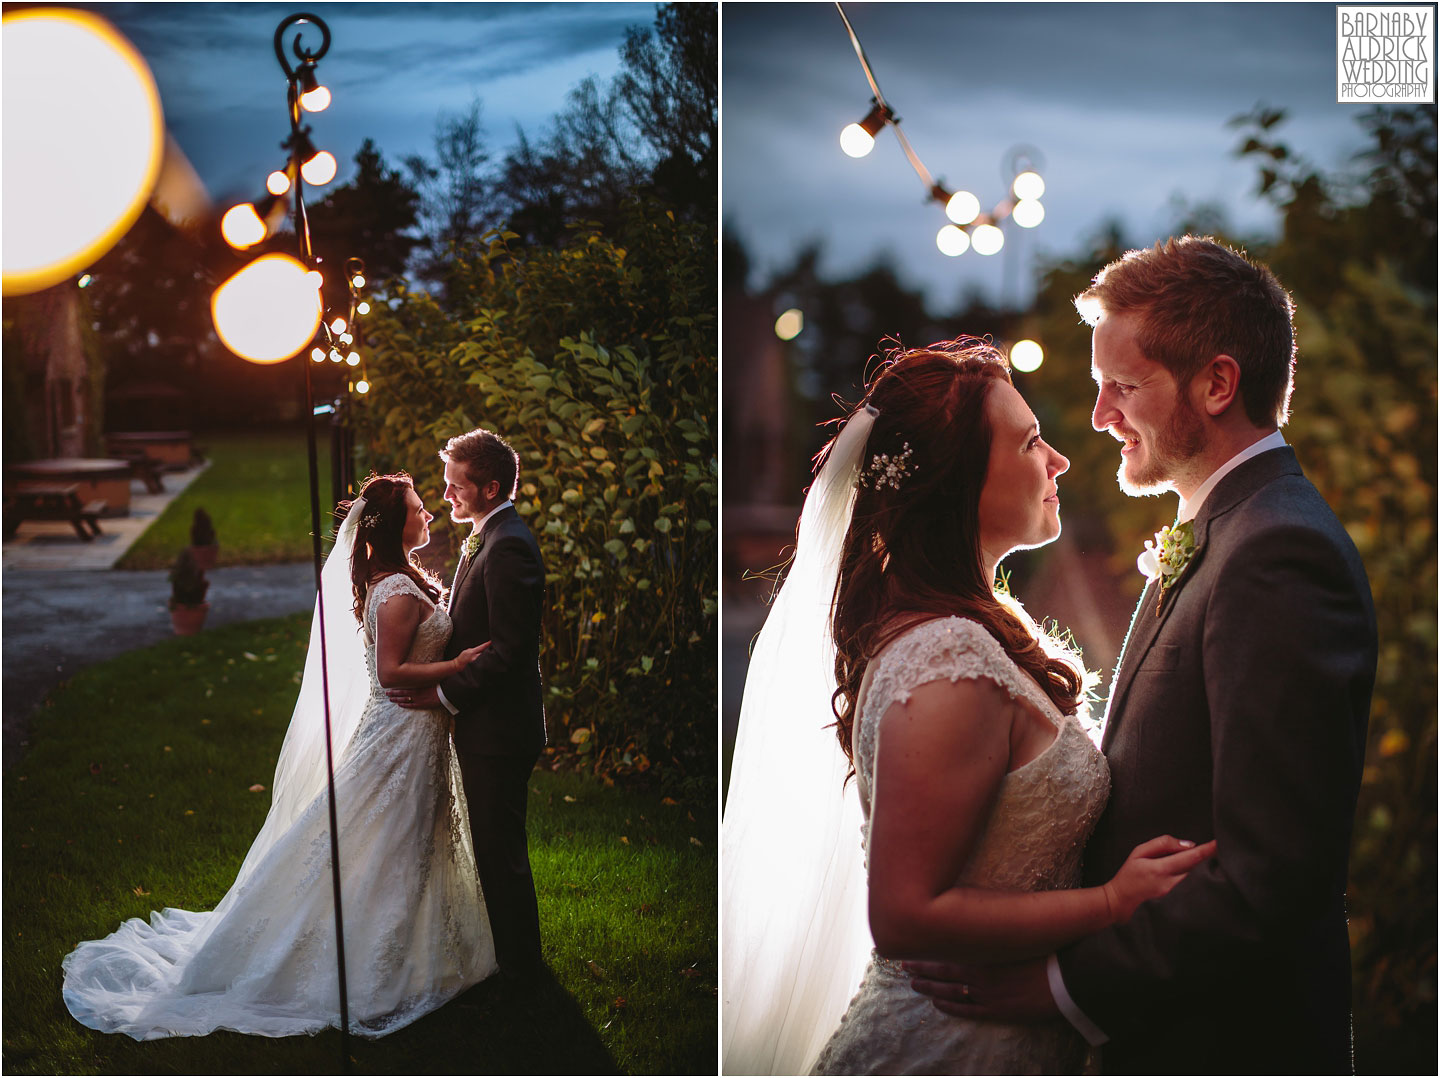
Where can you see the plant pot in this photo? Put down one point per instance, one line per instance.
(187, 620)
(205, 556)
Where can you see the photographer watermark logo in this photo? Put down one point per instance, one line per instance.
(1385, 54)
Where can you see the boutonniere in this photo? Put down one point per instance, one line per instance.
(1167, 555)
(471, 545)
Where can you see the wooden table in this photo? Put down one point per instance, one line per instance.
(95, 479)
(171, 448)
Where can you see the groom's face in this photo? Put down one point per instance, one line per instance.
(466, 501)
(1139, 403)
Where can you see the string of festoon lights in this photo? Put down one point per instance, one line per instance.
(268, 312)
(968, 227)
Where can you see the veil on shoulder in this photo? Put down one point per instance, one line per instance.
(794, 934)
(300, 773)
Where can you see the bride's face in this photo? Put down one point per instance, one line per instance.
(417, 522)
(1019, 504)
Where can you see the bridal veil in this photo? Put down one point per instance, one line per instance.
(794, 933)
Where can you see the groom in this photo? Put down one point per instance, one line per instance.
(496, 700)
(1239, 705)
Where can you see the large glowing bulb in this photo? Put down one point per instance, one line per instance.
(962, 208)
(789, 324)
(277, 183)
(320, 169)
(84, 138)
(316, 100)
(338, 325)
(952, 241)
(987, 239)
(267, 311)
(856, 141)
(1026, 356)
(362, 386)
(1028, 213)
(241, 226)
(1028, 185)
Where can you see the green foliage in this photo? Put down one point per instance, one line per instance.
(597, 362)
(145, 783)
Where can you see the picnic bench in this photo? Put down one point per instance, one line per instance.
(61, 502)
(174, 449)
(142, 466)
(99, 479)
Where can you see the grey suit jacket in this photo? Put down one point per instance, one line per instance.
(1238, 713)
(498, 596)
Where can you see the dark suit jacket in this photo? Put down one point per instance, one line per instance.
(1238, 714)
(497, 596)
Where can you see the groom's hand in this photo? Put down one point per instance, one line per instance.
(1019, 992)
(426, 698)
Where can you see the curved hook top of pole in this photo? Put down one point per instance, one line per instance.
(303, 55)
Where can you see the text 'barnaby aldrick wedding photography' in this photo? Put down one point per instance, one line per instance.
(1384, 54)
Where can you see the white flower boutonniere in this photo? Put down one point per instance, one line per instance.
(1167, 555)
(471, 545)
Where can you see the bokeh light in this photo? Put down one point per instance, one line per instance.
(952, 241)
(856, 141)
(316, 100)
(84, 139)
(277, 183)
(267, 311)
(241, 226)
(987, 239)
(962, 208)
(1028, 213)
(320, 169)
(789, 324)
(1028, 185)
(1026, 356)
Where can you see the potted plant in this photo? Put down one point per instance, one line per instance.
(187, 595)
(203, 546)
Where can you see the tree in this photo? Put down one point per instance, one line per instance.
(456, 206)
(371, 218)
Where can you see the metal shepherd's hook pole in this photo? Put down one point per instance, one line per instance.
(294, 144)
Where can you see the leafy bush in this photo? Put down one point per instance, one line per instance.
(597, 362)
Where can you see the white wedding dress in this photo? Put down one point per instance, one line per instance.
(1037, 828)
(263, 961)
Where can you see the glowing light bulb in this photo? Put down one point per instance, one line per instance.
(362, 386)
(362, 308)
(315, 278)
(84, 281)
(789, 324)
(987, 239)
(336, 357)
(338, 326)
(1026, 356)
(241, 226)
(316, 100)
(346, 338)
(962, 208)
(82, 156)
(856, 141)
(1028, 185)
(358, 281)
(277, 183)
(317, 354)
(952, 241)
(267, 311)
(353, 359)
(320, 169)
(1028, 213)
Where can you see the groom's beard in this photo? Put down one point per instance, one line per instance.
(1182, 437)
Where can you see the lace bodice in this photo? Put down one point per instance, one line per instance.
(1033, 840)
(430, 638)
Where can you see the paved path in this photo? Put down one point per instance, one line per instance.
(55, 624)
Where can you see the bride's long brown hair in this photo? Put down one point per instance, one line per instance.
(379, 540)
(912, 553)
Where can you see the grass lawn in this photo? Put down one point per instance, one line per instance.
(257, 492)
(134, 795)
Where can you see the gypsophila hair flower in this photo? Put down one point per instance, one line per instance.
(370, 520)
(887, 471)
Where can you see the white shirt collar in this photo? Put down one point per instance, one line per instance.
(1191, 506)
(480, 524)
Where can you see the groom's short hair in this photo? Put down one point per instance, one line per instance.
(1197, 299)
(485, 456)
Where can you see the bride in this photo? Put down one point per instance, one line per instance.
(416, 931)
(962, 772)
